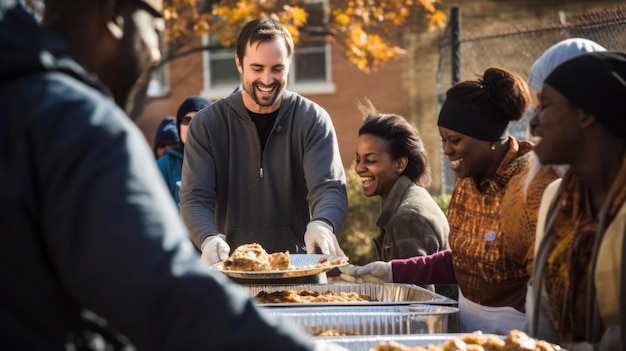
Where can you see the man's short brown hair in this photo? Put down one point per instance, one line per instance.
(262, 30)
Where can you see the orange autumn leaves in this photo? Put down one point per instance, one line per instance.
(367, 29)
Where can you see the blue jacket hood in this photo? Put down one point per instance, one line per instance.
(166, 131)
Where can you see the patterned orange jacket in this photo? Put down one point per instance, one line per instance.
(492, 230)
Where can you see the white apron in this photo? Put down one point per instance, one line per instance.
(494, 320)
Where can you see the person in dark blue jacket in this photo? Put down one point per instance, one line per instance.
(87, 224)
(171, 163)
(166, 137)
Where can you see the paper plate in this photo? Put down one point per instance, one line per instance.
(301, 266)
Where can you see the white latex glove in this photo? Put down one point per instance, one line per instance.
(320, 234)
(374, 272)
(215, 249)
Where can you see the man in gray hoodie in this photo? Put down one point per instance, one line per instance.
(87, 224)
(262, 165)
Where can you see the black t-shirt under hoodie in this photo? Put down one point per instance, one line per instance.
(264, 123)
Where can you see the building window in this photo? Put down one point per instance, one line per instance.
(310, 70)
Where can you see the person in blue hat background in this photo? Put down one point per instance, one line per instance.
(166, 137)
(171, 163)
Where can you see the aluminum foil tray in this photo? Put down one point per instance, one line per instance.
(365, 320)
(366, 343)
(384, 293)
(418, 307)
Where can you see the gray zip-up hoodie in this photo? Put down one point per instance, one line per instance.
(231, 186)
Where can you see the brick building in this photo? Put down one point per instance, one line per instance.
(407, 86)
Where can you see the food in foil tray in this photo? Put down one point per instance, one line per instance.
(303, 296)
(516, 340)
(333, 332)
(381, 294)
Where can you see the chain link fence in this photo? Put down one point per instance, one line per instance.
(465, 55)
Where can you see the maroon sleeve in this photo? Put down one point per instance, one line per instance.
(422, 270)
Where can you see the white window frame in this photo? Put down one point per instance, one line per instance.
(323, 86)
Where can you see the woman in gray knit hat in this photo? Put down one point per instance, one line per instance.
(541, 68)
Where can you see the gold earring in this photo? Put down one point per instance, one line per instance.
(492, 146)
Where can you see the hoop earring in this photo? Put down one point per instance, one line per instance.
(492, 146)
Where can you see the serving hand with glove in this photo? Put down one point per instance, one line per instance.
(320, 234)
(374, 272)
(215, 249)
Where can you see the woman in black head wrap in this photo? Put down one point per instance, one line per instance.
(492, 226)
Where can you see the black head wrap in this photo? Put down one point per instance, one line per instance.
(596, 82)
(469, 121)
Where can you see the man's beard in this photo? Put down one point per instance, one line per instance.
(262, 102)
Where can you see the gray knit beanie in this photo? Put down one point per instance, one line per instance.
(555, 55)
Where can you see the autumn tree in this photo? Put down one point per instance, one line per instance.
(369, 30)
